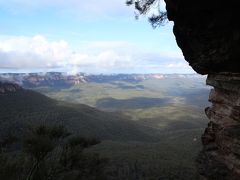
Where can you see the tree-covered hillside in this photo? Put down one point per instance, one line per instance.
(25, 108)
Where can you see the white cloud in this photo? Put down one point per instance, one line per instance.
(38, 52)
(178, 65)
(32, 52)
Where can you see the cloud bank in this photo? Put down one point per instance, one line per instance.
(37, 52)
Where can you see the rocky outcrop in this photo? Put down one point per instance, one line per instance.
(220, 157)
(208, 32)
(6, 88)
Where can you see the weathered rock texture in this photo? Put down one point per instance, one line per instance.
(220, 157)
(208, 32)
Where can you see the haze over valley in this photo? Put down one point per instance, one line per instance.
(145, 121)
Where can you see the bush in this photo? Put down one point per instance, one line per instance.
(50, 153)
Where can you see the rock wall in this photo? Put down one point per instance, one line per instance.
(220, 157)
(208, 32)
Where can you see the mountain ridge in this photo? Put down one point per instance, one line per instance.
(61, 80)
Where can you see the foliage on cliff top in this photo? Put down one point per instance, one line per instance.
(143, 7)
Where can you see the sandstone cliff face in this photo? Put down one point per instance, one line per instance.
(208, 32)
(220, 157)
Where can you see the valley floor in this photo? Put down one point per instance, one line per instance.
(172, 107)
(150, 129)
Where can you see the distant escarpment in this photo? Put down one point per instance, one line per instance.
(64, 80)
(52, 79)
(208, 32)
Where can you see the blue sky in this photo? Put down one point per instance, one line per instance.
(84, 36)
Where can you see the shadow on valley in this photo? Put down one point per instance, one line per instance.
(186, 123)
(197, 97)
(132, 103)
(26, 108)
(124, 86)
